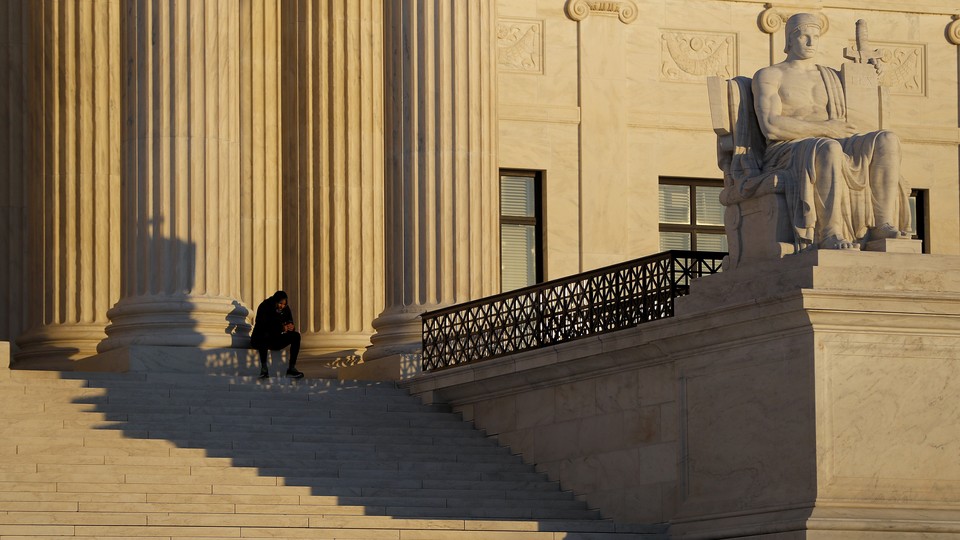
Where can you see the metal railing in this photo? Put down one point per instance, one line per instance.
(603, 300)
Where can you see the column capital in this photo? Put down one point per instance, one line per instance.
(625, 10)
(953, 30)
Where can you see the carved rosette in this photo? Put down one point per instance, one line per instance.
(625, 10)
(693, 56)
(953, 30)
(772, 19)
(520, 46)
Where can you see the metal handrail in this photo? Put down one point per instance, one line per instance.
(595, 302)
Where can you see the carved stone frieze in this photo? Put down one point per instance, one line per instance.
(773, 18)
(902, 67)
(625, 10)
(520, 45)
(693, 56)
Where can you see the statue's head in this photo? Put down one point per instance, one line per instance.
(802, 35)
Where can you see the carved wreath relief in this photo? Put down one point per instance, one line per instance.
(692, 56)
(520, 46)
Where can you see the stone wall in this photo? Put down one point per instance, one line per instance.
(812, 393)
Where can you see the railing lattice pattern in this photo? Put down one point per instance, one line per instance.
(595, 302)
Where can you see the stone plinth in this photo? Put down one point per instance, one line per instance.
(819, 402)
(810, 397)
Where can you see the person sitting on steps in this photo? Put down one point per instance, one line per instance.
(274, 330)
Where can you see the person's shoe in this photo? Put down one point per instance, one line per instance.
(264, 375)
(294, 374)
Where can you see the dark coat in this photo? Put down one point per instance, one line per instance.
(269, 323)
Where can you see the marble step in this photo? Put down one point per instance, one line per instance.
(506, 532)
(470, 509)
(343, 469)
(268, 465)
(187, 456)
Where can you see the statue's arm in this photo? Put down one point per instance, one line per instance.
(778, 127)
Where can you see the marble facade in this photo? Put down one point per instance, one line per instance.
(356, 167)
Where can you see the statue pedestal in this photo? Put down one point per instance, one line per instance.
(819, 399)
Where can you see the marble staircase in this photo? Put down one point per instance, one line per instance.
(180, 456)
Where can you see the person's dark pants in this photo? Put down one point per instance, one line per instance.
(278, 343)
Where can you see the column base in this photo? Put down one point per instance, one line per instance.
(398, 332)
(177, 320)
(58, 346)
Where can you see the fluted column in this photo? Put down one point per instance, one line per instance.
(74, 191)
(442, 189)
(261, 263)
(14, 38)
(333, 171)
(181, 166)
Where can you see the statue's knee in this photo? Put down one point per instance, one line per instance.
(830, 152)
(888, 143)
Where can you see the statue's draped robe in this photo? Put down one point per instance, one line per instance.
(849, 209)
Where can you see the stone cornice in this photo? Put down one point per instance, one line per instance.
(926, 7)
(625, 10)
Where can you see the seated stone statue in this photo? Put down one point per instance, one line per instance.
(841, 186)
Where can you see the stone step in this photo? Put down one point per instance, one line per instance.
(170, 466)
(325, 533)
(181, 456)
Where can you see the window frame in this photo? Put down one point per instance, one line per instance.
(691, 228)
(536, 221)
(923, 217)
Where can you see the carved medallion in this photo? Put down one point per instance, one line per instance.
(902, 68)
(693, 56)
(520, 45)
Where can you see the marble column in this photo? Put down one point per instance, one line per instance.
(181, 164)
(14, 133)
(73, 249)
(442, 185)
(333, 171)
(261, 263)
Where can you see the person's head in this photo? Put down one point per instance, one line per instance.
(280, 298)
(803, 36)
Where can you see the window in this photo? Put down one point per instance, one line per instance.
(691, 216)
(521, 231)
(918, 213)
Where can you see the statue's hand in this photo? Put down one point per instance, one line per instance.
(838, 129)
